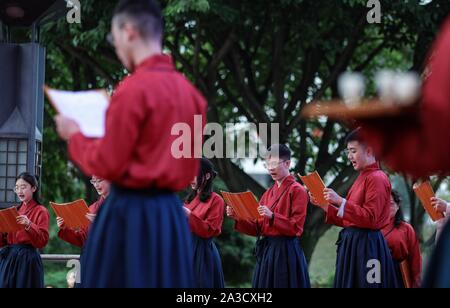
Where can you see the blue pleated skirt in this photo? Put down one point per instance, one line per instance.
(364, 260)
(21, 267)
(280, 263)
(398, 273)
(139, 239)
(437, 274)
(207, 263)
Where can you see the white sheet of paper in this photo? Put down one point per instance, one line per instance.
(87, 108)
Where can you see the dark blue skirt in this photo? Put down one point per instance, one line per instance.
(280, 263)
(138, 239)
(207, 263)
(364, 260)
(438, 268)
(21, 267)
(398, 274)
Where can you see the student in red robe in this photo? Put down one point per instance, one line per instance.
(422, 147)
(280, 261)
(20, 261)
(363, 257)
(205, 210)
(141, 237)
(403, 242)
(77, 237)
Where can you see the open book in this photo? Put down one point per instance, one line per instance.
(8, 222)
(315, 185)
(424, 192)
(244, 204)
(87, 108)
(74, 213)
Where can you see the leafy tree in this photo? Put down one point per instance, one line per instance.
(255, 61)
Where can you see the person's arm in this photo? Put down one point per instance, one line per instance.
(212, 224)
(247, 227)
(332, 217)
(74, 237)
(243, 226)
(38, 230)
(440, 205)
(123, 127)
(292, 225)
(367, 215)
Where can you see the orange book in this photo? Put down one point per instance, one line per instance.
(424, 192)
(244, 204)
(406, 274)
(315, 185)
(73, 213)
(8, 222)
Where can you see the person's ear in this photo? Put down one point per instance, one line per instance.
(287, 163)
(369, 151)
(208, 176)
(33, 189)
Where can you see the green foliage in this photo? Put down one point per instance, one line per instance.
(55, 275)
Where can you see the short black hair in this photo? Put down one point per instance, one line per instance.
(145, 14)
(355, 135)
(279, 150)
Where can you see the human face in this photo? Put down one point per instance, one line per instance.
(393, 208)
(24, 190)
(194, 183)
(101, 186)
(358, 155)
(278, 168)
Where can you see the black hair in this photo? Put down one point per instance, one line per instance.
(355, 135)
(33, 181)
(145, 14)
(399, 215)
(204, 186)
(279, 150)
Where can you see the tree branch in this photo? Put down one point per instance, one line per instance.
(186, 65)
(340, 66)
(234, 66)
(87, 61)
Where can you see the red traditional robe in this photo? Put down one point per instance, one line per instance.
(206, 217)
(422, 148)
(368, 201)
(288, 203)
(404, 245)
(78, 237)
(37, 235)
(145, 116)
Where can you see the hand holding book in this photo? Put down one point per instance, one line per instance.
(425, 193)
(242, 206)
(316, 189)
(9, 220)
(84, 111)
